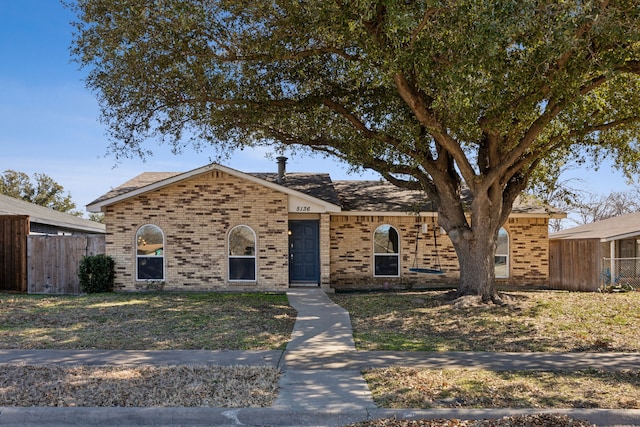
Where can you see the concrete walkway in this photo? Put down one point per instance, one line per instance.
(322, 329)
(321, 383)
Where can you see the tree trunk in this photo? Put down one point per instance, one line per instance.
(475, 243)
(477, 271)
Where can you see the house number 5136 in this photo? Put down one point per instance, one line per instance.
(303, 209)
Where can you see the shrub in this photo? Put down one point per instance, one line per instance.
(96, 274)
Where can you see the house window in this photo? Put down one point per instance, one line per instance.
(242, 253)
(501, 260)
(385, 251)
(150, 253)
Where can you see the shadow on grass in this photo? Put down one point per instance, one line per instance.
(146, 321)
(532, 322)
(458, 388)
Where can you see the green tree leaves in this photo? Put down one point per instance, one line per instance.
(433, 94)
(44, 191)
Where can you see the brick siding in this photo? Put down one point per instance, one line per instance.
(352, 253)
(196, 216)
(528, 251)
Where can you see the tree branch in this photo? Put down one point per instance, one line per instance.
(631, 67)
(425, 20)
(434, 127)
(594, 128)
(368, 133)
(553, 110)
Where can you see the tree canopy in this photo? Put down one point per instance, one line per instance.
(435, 95)
(43, 191)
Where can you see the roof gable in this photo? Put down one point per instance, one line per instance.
(318, 185)
(313, 187)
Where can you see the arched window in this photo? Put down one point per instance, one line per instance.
(501, 260)
(386, 255)
(149, 253)
(242, 253)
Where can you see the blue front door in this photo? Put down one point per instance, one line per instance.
(304, 252)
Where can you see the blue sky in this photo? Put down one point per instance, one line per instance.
(49, 120)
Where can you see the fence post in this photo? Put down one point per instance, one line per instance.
(612, 255)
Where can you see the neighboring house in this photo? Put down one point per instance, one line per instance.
(42, 220)
(30, 264)
(216, 228)
(583, 258)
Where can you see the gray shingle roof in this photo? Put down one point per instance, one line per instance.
(318, 185)
(380, 196)
(351, 195)
(139, 181)
(619, 227)
(42, 215)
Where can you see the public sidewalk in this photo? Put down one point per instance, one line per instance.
(321, 383)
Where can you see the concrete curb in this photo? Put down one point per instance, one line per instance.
(170, 417)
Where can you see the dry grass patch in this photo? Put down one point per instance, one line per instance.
(192, 386)
(460, 388)
(537, 420)
(545, 321)
(146, 321)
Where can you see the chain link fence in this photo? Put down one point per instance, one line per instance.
(620, 274)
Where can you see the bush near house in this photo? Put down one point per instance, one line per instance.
(96, 274)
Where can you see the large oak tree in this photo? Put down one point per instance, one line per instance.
(436, 95)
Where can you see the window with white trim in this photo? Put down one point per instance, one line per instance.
(386, 255)
(242, 254)
(501, 259)
(149, 253)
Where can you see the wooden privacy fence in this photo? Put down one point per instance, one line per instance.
(14, 230)
(574, 265)
(52, 261)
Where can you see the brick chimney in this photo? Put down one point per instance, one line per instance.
(282, 169)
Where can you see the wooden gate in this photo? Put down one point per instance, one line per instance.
(14, 230)
(53, 261)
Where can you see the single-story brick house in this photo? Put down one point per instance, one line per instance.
(216, 228)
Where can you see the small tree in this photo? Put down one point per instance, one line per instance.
(97, 217)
